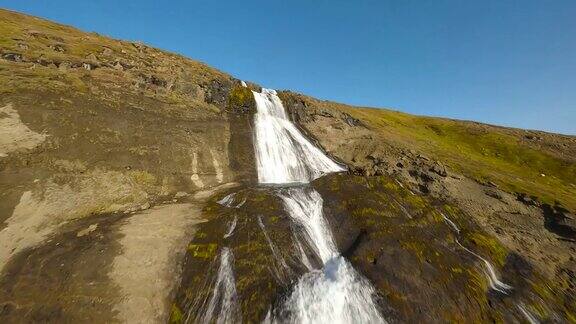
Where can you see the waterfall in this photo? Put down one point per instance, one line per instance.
(227, 201)
(230, 201)
(336, 293)
(304, 205)
(281, 267)
(490, 273)
(303, 257)
(283, 154)
(451, 223)
(224, 294)
(527, 315)
(231, 227)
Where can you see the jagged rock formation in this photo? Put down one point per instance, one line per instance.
(106, 143)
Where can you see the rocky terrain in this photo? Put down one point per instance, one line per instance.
(114, 155)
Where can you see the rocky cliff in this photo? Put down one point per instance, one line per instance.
(113, 156)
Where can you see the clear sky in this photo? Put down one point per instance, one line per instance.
(501, 62)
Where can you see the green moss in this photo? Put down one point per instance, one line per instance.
(142, 177)
(240, 97)
(418, 248)
(483, 153)
(437, 217)
(367, 212)
(391, 186)
(457, 270)
(452, 211)
(548, 293)
(488, 244)
(543, 290)
(417, 202)
(204, 251)
(570, 316)
(176, 316)
(539, 309)
(477, 287)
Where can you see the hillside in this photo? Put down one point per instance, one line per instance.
(114, 154)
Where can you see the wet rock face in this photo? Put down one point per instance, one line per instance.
(411, 253)
(164, 155)
(240, 111)
(112, 106)
(90, 127)
(75, 269)
(422, 256)
(251, 225)
(120, 127)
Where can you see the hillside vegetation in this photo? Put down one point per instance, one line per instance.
(531, 163)
(38, 55)
(483, 152)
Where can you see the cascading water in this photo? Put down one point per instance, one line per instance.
(304, 205)
(223, 305)
(231, 228)
(336, 293)
(281, 268)
(283, 154)
(489, 271)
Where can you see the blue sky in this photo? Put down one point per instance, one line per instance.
(502, 62)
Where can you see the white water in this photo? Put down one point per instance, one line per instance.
(402, 208)
(230, 201)
(529, 317)
(277, 256)
(227, 201)
(451, 223)
(283, 154)
(336, 293)
(303, 256)
(231, 227)
(304, 205)
(333, 294)
(490, 273)
(224, 294)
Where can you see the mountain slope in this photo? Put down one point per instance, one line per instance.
(94, 132)
(535, 163)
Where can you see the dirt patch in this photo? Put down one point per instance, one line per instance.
(15, 135)
(147, 270)
(47, 207)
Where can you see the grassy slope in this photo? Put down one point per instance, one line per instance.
(483, 152)
(54, 54)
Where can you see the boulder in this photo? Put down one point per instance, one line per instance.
(351, 121)
(14, 57)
